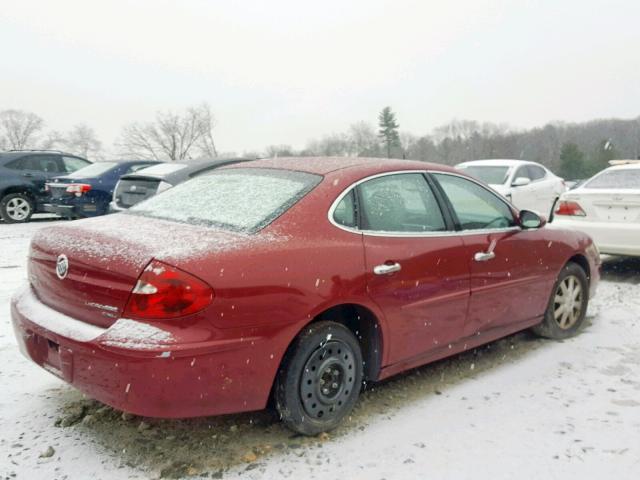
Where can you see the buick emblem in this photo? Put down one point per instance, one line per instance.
(62, 266)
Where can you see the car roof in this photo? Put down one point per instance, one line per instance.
(12, 154)
(625, 166)
(191, 166)
(325, 165)
(498, 162)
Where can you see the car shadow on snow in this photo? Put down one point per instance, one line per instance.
(213, 445)
(621, 269)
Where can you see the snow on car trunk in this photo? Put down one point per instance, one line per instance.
(105, 257)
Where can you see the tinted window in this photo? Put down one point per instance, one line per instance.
(487, 174)
(345, 212)
(400, 203)
(71, 164)
(240, 199)
(475, 206)
(39, 163)
(624, 178)
(535, 172)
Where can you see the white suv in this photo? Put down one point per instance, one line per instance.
(528, 185)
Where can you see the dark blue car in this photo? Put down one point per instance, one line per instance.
(88, 191)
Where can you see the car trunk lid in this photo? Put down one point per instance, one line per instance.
(608, 205)
(106, 256)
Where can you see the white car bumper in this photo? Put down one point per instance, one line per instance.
(610, 237)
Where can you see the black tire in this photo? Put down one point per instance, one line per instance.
(553, 208)
(320, 378)
(16, 208)
(566, 311)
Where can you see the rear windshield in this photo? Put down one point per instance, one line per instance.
(486, 173)
(162, 169)
(626, 178)
(242, 199)
(93, 170)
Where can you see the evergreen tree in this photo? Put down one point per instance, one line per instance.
(604, 152)
(388, 131)
(571, 162)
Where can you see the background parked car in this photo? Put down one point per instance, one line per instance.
(528, 185)
(134, 188)
(607, 207)
(23, 175)
(88, 191)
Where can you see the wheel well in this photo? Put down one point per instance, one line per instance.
(365, 326)
(582, 262)
(10, 190)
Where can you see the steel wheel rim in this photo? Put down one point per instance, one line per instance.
(328, 380)
(18, 208)
(567, 302)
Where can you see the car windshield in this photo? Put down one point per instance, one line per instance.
(628, 178)
(243, 200)
(162, 169)
(487, 173)
(93, 170)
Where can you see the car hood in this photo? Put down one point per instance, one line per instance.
(502, 189)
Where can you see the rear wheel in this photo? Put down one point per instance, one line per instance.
(568, 304)
(320, 378)
(16, 208)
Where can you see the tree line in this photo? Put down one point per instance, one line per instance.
(572, 150)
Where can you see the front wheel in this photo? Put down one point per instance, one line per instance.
(320, 378)
(568, 304)
(16, 208)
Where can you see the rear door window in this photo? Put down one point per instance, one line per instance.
(400, 203)
(536, 173)
(345, 212)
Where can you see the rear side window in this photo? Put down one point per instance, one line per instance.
(239, 199)
(345, 212)
(475, 206)
(400, 203)
(71, 164)
(536, 173)
(624, 178)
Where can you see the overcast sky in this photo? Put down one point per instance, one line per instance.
(286, 71)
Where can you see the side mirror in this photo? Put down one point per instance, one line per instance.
(521, 182)
(531, 220)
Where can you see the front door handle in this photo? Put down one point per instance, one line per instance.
(488, 255)
(387, 268)
(484, 256)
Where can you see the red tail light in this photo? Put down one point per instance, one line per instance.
(164, 292)
(78, 188)
(567, 207)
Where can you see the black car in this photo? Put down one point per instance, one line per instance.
(88, 191)
(23, 175)
(134, 188)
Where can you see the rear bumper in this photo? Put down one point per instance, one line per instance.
(610, 238)
(166, 378)
(75, 209)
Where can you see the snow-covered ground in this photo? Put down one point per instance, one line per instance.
(519, 408)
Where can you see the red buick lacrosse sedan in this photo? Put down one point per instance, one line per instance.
(296, 279)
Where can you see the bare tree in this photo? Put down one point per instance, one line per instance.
(80, 140)
(19, 129)
(172, 136)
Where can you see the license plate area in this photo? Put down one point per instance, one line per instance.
(618, 213)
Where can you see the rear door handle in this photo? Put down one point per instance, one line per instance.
(385, 268)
